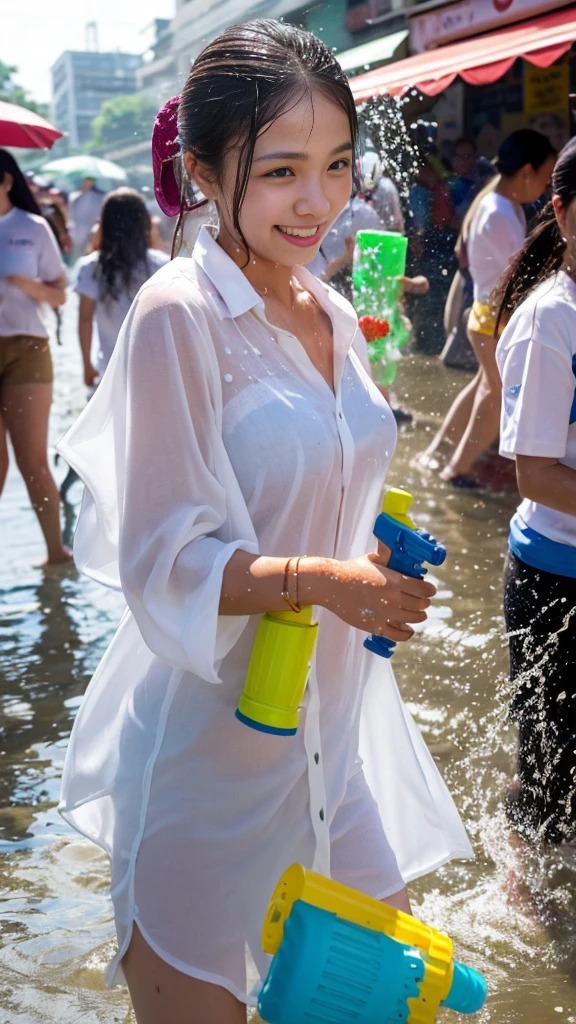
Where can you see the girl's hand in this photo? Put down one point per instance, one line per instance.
(368, 596)
(91, 375)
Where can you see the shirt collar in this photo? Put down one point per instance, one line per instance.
(232, 285)
(238, 295)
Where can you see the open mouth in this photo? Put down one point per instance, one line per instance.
(300, 236)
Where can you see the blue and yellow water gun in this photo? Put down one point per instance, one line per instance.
(409, 547)
(284, 645)
(341, 957)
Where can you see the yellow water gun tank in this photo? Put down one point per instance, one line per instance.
(278, 672)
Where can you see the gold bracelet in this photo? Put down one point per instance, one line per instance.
(285, 590)
(296, 580)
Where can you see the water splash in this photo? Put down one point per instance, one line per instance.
(398, 145)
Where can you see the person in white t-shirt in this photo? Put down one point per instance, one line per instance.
(536, 358)
(107, 280)
(32, 275)
(495, 229)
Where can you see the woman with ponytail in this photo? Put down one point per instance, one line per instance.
(494, 229)
(536, 358)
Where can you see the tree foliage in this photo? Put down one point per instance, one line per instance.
(122, 120)
(11, 92)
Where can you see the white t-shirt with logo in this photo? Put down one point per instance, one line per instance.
(27, 248)
(111, 313)
(536, 358)
(497, 231)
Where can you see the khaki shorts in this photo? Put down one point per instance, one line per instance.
(482, 319)
(25, 360)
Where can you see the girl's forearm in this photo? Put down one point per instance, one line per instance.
(547, 482)
(85, 335)
(253, 584)
(53, 294)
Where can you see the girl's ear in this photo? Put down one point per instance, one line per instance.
(560, 213)
(201, 175)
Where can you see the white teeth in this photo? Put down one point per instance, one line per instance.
(300, 232)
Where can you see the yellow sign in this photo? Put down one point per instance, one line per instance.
(546, 104)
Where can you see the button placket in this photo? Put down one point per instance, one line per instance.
(316, 781)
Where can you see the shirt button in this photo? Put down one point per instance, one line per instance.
(317, 758)
(321, 812)
(340, 415)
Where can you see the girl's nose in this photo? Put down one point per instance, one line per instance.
(312, 202)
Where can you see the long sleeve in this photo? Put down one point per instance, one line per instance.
(160, 488)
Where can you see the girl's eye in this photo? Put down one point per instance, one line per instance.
(279, 172)
(339, 165)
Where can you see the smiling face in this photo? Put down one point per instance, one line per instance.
(300, 181)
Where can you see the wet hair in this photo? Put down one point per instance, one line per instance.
(522, 147)
(542, 254)
(245, 80)
(20, 194)
(124, 240)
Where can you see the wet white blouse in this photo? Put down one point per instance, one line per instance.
(212, 431)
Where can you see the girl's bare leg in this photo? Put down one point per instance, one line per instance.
(4, 459)
(456, 419)
(484, 423)
(162, 995)
(399, 900)
(25, 412)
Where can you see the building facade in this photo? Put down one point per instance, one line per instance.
(342, 24)
(81, 82)
(525, 95)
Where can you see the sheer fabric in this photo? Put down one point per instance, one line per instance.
(212, 431)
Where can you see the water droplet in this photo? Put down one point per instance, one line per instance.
(228, 378)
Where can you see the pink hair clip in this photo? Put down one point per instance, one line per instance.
(165, 147)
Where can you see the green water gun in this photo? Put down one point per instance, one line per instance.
(379, 265)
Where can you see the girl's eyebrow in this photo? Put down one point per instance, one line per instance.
(343, 147)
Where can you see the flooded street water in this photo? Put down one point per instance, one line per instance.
(56, 927)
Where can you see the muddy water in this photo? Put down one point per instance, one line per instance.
(55, 919)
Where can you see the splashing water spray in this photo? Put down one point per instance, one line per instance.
(380, 256)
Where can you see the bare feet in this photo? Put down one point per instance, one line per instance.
(62, 556)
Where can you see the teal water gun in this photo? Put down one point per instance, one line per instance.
(341, 957)
(409, 546)
(379, 265)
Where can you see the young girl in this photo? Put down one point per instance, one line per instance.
(233, 457)
(107, 280)
(31, 273)
(494, 229)
(537, 361)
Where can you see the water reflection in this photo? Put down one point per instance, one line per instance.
(511, 917)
